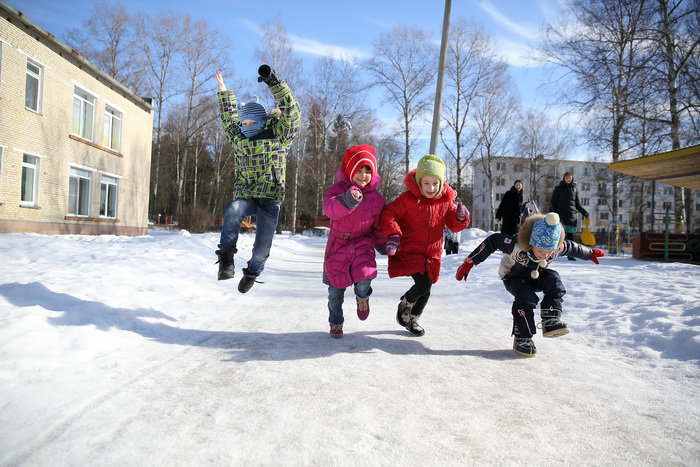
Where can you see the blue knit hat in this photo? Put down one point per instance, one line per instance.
(546, 232)
(253, 111)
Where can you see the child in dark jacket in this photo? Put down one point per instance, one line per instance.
(413, 224)
(524, 271)
(353, 204)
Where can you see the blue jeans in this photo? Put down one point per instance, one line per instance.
(336, 297)
(266, 212)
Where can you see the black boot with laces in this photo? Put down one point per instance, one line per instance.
(226, 268)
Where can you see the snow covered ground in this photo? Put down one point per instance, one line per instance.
(127, 351)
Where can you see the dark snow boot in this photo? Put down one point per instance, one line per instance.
(552, 325)
(226, 268)
(415, 328)
(524, 346)
(403, 315)
(247, 281)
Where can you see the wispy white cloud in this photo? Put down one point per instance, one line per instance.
(314, 47)
(311, 46)
(528, 32)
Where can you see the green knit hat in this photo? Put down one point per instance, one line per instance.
(431, 165)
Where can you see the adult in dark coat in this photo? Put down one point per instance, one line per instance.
(565, 202)
(509, 209)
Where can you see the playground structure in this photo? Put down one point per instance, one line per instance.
(666, 241)
(618, 238)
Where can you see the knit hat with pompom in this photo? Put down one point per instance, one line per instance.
(547, 232)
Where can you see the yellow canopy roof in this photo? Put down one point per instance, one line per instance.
(680, 167)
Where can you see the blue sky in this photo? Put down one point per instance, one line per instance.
(317, 27)
(348, 28)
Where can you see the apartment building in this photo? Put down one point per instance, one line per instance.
(638, 200)
(75, 145)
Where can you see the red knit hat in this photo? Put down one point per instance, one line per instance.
(357, 157)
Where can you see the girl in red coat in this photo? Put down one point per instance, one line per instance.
(413, 224)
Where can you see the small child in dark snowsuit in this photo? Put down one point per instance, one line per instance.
(524, 271)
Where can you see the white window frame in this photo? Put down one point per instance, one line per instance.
(108, 180)
(82, 198)
(26, 165)
(39, 77)
(81, 105)
(112, 136)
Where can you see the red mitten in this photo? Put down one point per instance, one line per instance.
(463, 270)
(597, 253)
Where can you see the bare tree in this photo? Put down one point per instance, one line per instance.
(404, 64)
(159, 45)
(337, 102)
(599, 54)
(471, 66)
(674, 53)
(493, 117)
(107, 40)
(205, 50)
(277, 51)
(538, 141)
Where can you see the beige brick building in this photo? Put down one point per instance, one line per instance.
(75, 145)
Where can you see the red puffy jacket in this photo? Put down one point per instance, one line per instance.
(419, 222)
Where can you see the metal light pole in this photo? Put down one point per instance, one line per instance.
(437, 110)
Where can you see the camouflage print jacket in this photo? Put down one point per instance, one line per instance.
(261, 160)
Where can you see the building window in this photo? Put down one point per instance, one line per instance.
(602, 201)
(79, 192)
(499, 196)
(603, 187)
(113, 128)
(586, 171)
(571, 169)
(83, 114)
(667, 206)
(518, 167)
(500, 181)
(619, 203)
(108, 196)
(32, 86)
(604, 216)
(668, 190)
(585, 201)
(501, 166)
(30, 180)
(585, 187)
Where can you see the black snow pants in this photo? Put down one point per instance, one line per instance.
(524, 288)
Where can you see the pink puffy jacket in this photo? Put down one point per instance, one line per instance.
(354, 235)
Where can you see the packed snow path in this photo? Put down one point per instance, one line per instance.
(127, 351)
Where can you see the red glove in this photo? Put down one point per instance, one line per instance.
(597, 253)
(463, 270)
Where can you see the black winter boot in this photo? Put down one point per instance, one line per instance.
(247, 281)
(523, 345)
(226, 268)
(403, 315)
(552, 325)
(415, 328)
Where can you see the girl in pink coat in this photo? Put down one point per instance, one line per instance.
(353, 205)
(414, 224)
